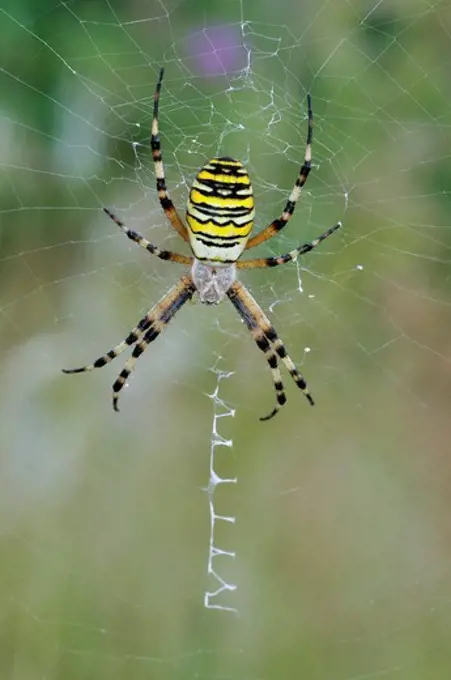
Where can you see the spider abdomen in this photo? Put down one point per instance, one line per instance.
(220, 211)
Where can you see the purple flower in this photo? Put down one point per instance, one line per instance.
(218, 50)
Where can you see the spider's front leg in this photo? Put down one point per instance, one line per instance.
(159, 317)
(147, 330)
(132, 337)
(268, 342)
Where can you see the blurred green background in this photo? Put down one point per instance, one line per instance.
(342, 533)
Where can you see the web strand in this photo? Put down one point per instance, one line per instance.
(212, 599)
(111, 563)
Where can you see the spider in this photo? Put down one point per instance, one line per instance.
(220, 214)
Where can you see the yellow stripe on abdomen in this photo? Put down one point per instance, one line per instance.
(220, 211)
(221, 202)
(224, 178)
(228, 230)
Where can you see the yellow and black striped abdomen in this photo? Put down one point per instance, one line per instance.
(220, 211)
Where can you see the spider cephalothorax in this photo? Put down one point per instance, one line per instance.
(220, 215)
(212, 281)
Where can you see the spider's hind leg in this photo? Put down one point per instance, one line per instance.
(155, 143)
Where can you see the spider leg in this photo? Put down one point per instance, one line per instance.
(144, 243)
(158, 317)
(261, 262)
(163, 195)
(132, 337)
(304, 172)
(263, 344)
(268, 341)
(281, 352)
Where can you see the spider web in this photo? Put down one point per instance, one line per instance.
(329, 533)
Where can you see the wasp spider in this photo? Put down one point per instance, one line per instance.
(219, 217)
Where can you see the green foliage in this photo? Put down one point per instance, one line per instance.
(342, 533)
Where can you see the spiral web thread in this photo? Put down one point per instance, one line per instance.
(358, 552)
